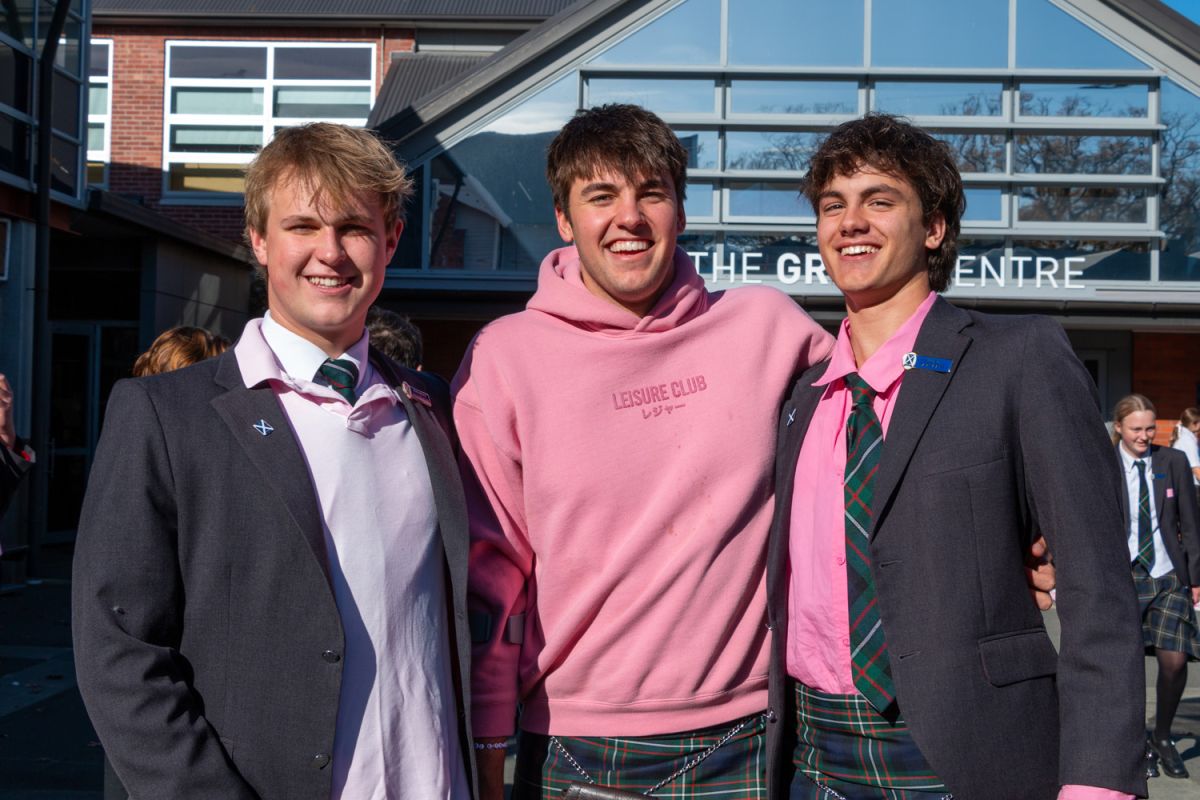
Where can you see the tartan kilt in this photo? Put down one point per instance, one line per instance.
(1168, 618)
(736, 771)
(845, 745)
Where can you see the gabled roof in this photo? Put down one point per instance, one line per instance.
(523, 11)
(518, 58)
(411, 76)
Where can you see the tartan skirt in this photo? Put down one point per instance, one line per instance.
(735, 771)
(845, 749)
(1168, 618)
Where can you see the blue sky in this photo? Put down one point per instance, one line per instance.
(1189, 8)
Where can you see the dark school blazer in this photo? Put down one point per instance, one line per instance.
(1178, 516)
(977, 462)
(207, 639)
(12, 470)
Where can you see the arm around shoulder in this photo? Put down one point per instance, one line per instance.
(127, 616)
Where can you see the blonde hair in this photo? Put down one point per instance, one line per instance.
(179, 347)
(336, 162)
(1187, 419)
(1127, 405)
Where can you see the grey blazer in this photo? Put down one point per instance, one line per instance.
(1178, 517)
(977, 462)
(207, 638)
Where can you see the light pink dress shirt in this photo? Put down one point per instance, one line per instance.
(397, 731)
(818, 645)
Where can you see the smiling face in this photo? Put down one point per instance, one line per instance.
(625, 231)
(874, 240)
(1136, 430)
(324, 266)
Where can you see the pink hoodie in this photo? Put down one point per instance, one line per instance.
(620, 475)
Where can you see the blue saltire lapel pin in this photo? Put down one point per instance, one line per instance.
(413, 393)
(791, 417)
(264, 427)
(914, 361)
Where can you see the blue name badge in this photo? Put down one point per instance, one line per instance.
(914, 361)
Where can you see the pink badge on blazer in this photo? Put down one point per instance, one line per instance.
(1170, 492)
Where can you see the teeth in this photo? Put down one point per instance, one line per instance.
(327, 282)
(629, 247)
(859, 249)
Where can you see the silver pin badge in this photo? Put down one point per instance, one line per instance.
(791, 417)
(264, 427)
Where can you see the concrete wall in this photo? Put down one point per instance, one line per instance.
(184, 286)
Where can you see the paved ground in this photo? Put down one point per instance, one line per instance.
(48, 750)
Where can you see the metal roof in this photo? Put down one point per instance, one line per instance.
(411, 76)
(1170, 27)
(528, 11)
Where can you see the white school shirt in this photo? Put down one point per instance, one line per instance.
(397, 729)
(1162, 561)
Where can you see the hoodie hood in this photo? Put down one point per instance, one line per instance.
(561, 294)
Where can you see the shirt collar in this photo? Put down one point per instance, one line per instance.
(886, 365)
(1129, 461)
(299, 358)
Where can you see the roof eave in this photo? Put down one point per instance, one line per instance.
(519, 54)
(1164, 22)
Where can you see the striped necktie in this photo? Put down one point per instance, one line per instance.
(1145, 553)
(342, 375)
(870, 667)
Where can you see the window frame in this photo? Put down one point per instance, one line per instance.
(265, 119)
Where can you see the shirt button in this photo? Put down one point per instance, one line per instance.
(841, 559)
(846, 642)
(331, 656)
(320, 760)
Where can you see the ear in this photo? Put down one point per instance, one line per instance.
(935, 231)
(393, 239)
(680, 218)
(258, 243)
(564, 225)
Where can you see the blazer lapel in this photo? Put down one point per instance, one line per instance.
(920, 393)
(1160, 478)
(273, 449)
(448, 494)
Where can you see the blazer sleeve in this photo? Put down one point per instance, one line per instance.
(12, 470)
(128, 600)
(1189, 517)
(1073, 488)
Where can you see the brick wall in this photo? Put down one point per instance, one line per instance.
(1166, 368)
(137, 102)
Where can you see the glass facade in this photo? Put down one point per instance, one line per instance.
(225, 100)
(1080, 155)
(23, 27)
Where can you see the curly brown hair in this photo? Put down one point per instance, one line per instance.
(895, 146)
(179, 347)
(624, 138)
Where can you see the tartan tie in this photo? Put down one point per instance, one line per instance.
(871, 669)
(1145, 553)
(342, 376)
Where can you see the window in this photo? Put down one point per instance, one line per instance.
(99, 121)
(22, 37)
(225, 100)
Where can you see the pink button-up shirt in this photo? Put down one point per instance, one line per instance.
(818, 645)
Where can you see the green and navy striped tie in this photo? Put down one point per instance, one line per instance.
(1145, 554)
(871, 669)
(342, 375)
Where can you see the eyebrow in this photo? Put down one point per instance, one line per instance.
(351, 219)
(606, 186)
(878, 188)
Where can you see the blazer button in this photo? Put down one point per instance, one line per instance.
(321, 760)
(331, 656)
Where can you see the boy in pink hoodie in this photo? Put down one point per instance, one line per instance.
(618, 438)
